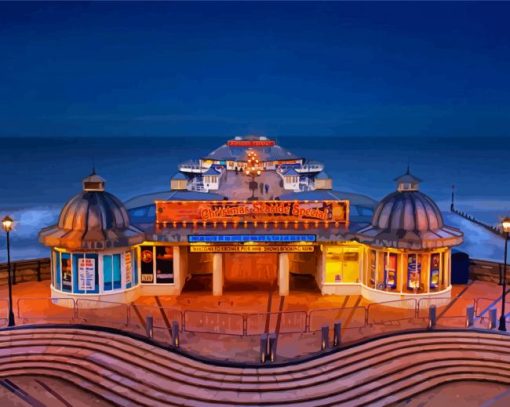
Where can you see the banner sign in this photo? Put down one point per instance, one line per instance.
(86, 274)
(128, 268)
(250, 143)
(251, 249)
(252, 211)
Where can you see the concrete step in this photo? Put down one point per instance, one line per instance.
(368, 372)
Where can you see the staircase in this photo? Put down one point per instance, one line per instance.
(130, 371)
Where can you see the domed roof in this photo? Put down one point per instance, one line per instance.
(407, 210)
(408, 218)
(92, 219)
(92, 210)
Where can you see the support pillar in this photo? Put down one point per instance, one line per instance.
(283, 273)
(177, 268)
(217, 274)
(321, 264)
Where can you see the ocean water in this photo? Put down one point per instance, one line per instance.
(38, 175)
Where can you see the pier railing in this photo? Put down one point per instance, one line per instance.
(26, 270)
(357, 322)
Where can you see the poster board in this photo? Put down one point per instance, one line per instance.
(86, 274)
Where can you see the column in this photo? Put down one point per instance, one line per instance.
(321, 263)
(446, 267)
(425, 268)
(217, 274)
(178, 281)
(405, 274)
(400, 276)
(283, 273)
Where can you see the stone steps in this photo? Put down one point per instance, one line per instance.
(136, 373)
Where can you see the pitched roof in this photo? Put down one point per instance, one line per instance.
(290, 172)
(148, 199)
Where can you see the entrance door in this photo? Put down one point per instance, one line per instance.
(256, 269)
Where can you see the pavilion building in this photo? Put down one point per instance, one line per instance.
(251, 214)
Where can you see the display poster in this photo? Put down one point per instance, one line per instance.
(413, 271)
(390, 270)
(128, 267)
(434, 270)
(86, 274)
(164, 264)
(252, 211)
(372, 264)
(147, 263)
(67, 272)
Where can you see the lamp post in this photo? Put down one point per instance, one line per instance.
(502, 319)
(7, 224)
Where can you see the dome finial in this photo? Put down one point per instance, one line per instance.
(93, 182)
(407, 182)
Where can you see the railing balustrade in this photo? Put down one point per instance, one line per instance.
(357, 322)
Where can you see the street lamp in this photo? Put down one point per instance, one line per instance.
(506, 228)
(7, 224)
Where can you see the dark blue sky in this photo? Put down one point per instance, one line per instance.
(281, 69)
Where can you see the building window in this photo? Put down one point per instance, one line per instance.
(66, 272)
(435, 270)
(111, 272)
(164, 264)
(372, 267)
(57, 274)
(414, 271)
(147, 264)
(85, 273)
(390, 270)
(342, 265)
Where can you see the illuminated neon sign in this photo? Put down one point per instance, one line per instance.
(250, 238)
(250, 143)
(252, 211)
(252, 249)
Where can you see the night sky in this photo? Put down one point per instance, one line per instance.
(224, 69)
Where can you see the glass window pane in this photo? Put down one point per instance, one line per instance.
(434, 270)
(58, 276)
(372, 263)
(147, 264)
(117, 282)
(67, 272)
(164, 264)
(107, 272)
(333, 269)
(135, 267)
(350, 267)
(390, 270)
(413, 271)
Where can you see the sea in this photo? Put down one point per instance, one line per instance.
(38, 175)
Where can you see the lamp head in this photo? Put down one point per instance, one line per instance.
(506, 224)
(7, 223)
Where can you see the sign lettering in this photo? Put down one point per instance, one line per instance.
(251, 249)
(252, 211)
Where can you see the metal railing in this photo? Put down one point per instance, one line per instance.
(357, 322)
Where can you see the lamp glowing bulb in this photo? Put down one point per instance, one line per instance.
(506, 224)
(7, 223)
